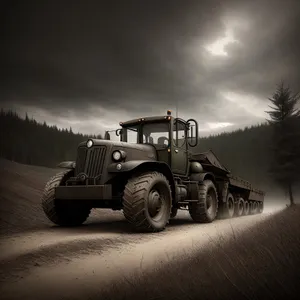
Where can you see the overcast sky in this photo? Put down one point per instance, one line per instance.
(91, 64)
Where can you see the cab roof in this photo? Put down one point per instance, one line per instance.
(146, 119)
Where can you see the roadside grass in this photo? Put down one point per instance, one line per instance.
(262, 262)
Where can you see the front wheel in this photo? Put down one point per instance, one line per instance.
(61, 213)
(205, 210)
(147, 201)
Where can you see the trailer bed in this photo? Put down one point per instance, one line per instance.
(254, 194)
(211, 163)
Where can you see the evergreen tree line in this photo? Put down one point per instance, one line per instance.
(29, 142)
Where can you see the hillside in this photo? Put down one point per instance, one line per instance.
(21, 188)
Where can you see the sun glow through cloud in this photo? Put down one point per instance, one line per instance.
(218, 47)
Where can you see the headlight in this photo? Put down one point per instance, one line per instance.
(117, 155)
(89, 143)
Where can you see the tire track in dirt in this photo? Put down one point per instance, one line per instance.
(94, 260)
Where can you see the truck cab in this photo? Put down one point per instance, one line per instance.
(171, 137)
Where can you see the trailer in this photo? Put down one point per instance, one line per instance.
(149, 173)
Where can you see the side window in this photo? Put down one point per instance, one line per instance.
(179, 136)
(148, 139)
(132, 136)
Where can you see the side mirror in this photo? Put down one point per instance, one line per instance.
(119, 132)
(107, 135)
(192, 137)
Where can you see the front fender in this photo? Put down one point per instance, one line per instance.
(145, 165)
(67, 165)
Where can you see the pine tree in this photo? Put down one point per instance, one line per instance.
(286, 136)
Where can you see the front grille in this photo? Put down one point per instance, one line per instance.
(80, 161)
(90, 161)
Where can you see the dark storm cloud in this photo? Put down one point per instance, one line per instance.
(136, 56)
(269, 51)
(101, 52)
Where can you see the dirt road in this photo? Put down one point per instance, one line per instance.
(41, 261)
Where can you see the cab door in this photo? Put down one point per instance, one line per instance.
(179, 148)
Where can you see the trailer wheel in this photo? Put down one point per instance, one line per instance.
(147, 201)
(253, 208)
(174, 211)
(228, 207)
(206, 209)
(261, 207)
(58, 212)
(239, 207)
(246, 208)
(257, 207)
(250, 208)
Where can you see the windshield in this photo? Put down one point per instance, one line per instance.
(156, 134)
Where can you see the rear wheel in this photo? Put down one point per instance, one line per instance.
(59, 212)
(147, 201)
(239, 207)
(205, 210)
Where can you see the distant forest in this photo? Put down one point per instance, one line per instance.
(29, 142)
(245, 152)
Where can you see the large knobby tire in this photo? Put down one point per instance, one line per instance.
(228, 207)
(147, 202)
(174, 212)
(59, 212)
(239, 207)
(206, 209)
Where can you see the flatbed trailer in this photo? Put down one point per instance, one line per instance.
(241, 189)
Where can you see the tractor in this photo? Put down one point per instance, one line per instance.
(149, 173)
